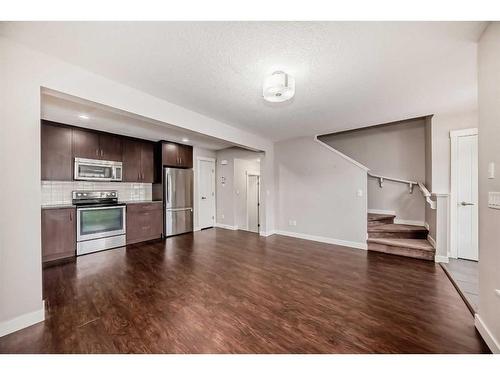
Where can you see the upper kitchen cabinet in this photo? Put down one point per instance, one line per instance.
(56, 152)
(176, 155)
(85, 144)
(138, 161)
(92, 145)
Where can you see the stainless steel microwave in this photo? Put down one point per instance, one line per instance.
(98, 170)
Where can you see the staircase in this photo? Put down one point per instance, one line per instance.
(398, 239)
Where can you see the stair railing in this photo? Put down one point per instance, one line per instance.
(427, 195)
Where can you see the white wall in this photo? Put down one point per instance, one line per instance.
(395, 150)
(318, 190)
(23, 72)
(197, 153)
(442, 124)
(231, 198)
(488, 317)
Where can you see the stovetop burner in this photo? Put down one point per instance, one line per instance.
(97, 198)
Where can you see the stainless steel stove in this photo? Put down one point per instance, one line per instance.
(100, 221)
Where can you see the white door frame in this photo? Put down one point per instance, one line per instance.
(198, 198)
(258, 199)
(454, 135)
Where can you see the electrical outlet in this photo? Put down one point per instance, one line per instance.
(295, 223)
(360, 193)
(222, 216)
(292, 223)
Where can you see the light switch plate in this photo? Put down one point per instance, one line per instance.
(494, 200)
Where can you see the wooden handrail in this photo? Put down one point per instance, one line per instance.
(427, 195)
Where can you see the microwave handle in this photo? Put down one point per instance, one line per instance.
(168, 189)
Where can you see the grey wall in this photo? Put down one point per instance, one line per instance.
(318, 189)
(394, 150)
(231, 197)
(489, 151)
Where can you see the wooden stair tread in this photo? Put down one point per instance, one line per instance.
(376, 217)
(409, 243)
(397, 228)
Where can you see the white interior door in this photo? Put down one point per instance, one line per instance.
(253, 203)
(467, 198)
(206, 193)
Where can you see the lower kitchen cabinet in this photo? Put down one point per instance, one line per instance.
(144, 221)
(58, 233)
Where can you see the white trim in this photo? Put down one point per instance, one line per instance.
(463, 132)
(366, 169)
(426, 225)
(333, 241)
(454, 135)
(486, 334)
(225, 226)
(420, 223)
(381, 212)
(441, 259)
(267, 234)
(214, 183)
(258, 200)
(22, 321)
(432, 241)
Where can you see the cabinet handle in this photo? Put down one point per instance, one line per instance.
(102, 152)
(96, 152)
(70, 216)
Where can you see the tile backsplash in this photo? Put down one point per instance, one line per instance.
(59, 192)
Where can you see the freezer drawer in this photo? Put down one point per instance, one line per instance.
(178, 220)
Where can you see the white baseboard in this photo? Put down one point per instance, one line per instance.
(196, 229)
(225, 226)
(381, 212)
(409, 222)
(431, 240)
(441, 259)
(22, 321)
(333, 241)
(486, 334)
(426, 225)
(267, 234)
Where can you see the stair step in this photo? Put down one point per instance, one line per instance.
(409, 247)
(397, 231)
(378, 219)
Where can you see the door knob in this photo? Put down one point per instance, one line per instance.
(467, 204)
(203, 197)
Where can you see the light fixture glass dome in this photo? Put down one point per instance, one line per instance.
(278, 87)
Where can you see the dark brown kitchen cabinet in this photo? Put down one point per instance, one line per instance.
(92, 145)
(110, 147)
(57, 163)
(177, 155)
(58, 233)
(85, 144)
(144, 221)
(138, 161)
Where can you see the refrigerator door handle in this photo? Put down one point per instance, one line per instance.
(168, 189)
(180, 209)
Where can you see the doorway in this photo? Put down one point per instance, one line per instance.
(464, 195)
(253, 202)
(206, 192)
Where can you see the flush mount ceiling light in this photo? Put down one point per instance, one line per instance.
(185, 140)
(83, 117)
(278, 87)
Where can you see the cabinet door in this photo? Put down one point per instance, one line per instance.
(58, 233)
(85, 144)
(57, 161)
(170, 154)
(110, 147)
(147, 162)
(132, 151)
(186, 156)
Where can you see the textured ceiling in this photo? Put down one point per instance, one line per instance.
(348, 74)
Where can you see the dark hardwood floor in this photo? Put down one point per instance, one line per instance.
(221, 291)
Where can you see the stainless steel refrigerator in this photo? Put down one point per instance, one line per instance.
(178, 195)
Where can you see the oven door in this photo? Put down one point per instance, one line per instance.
(100, 222)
